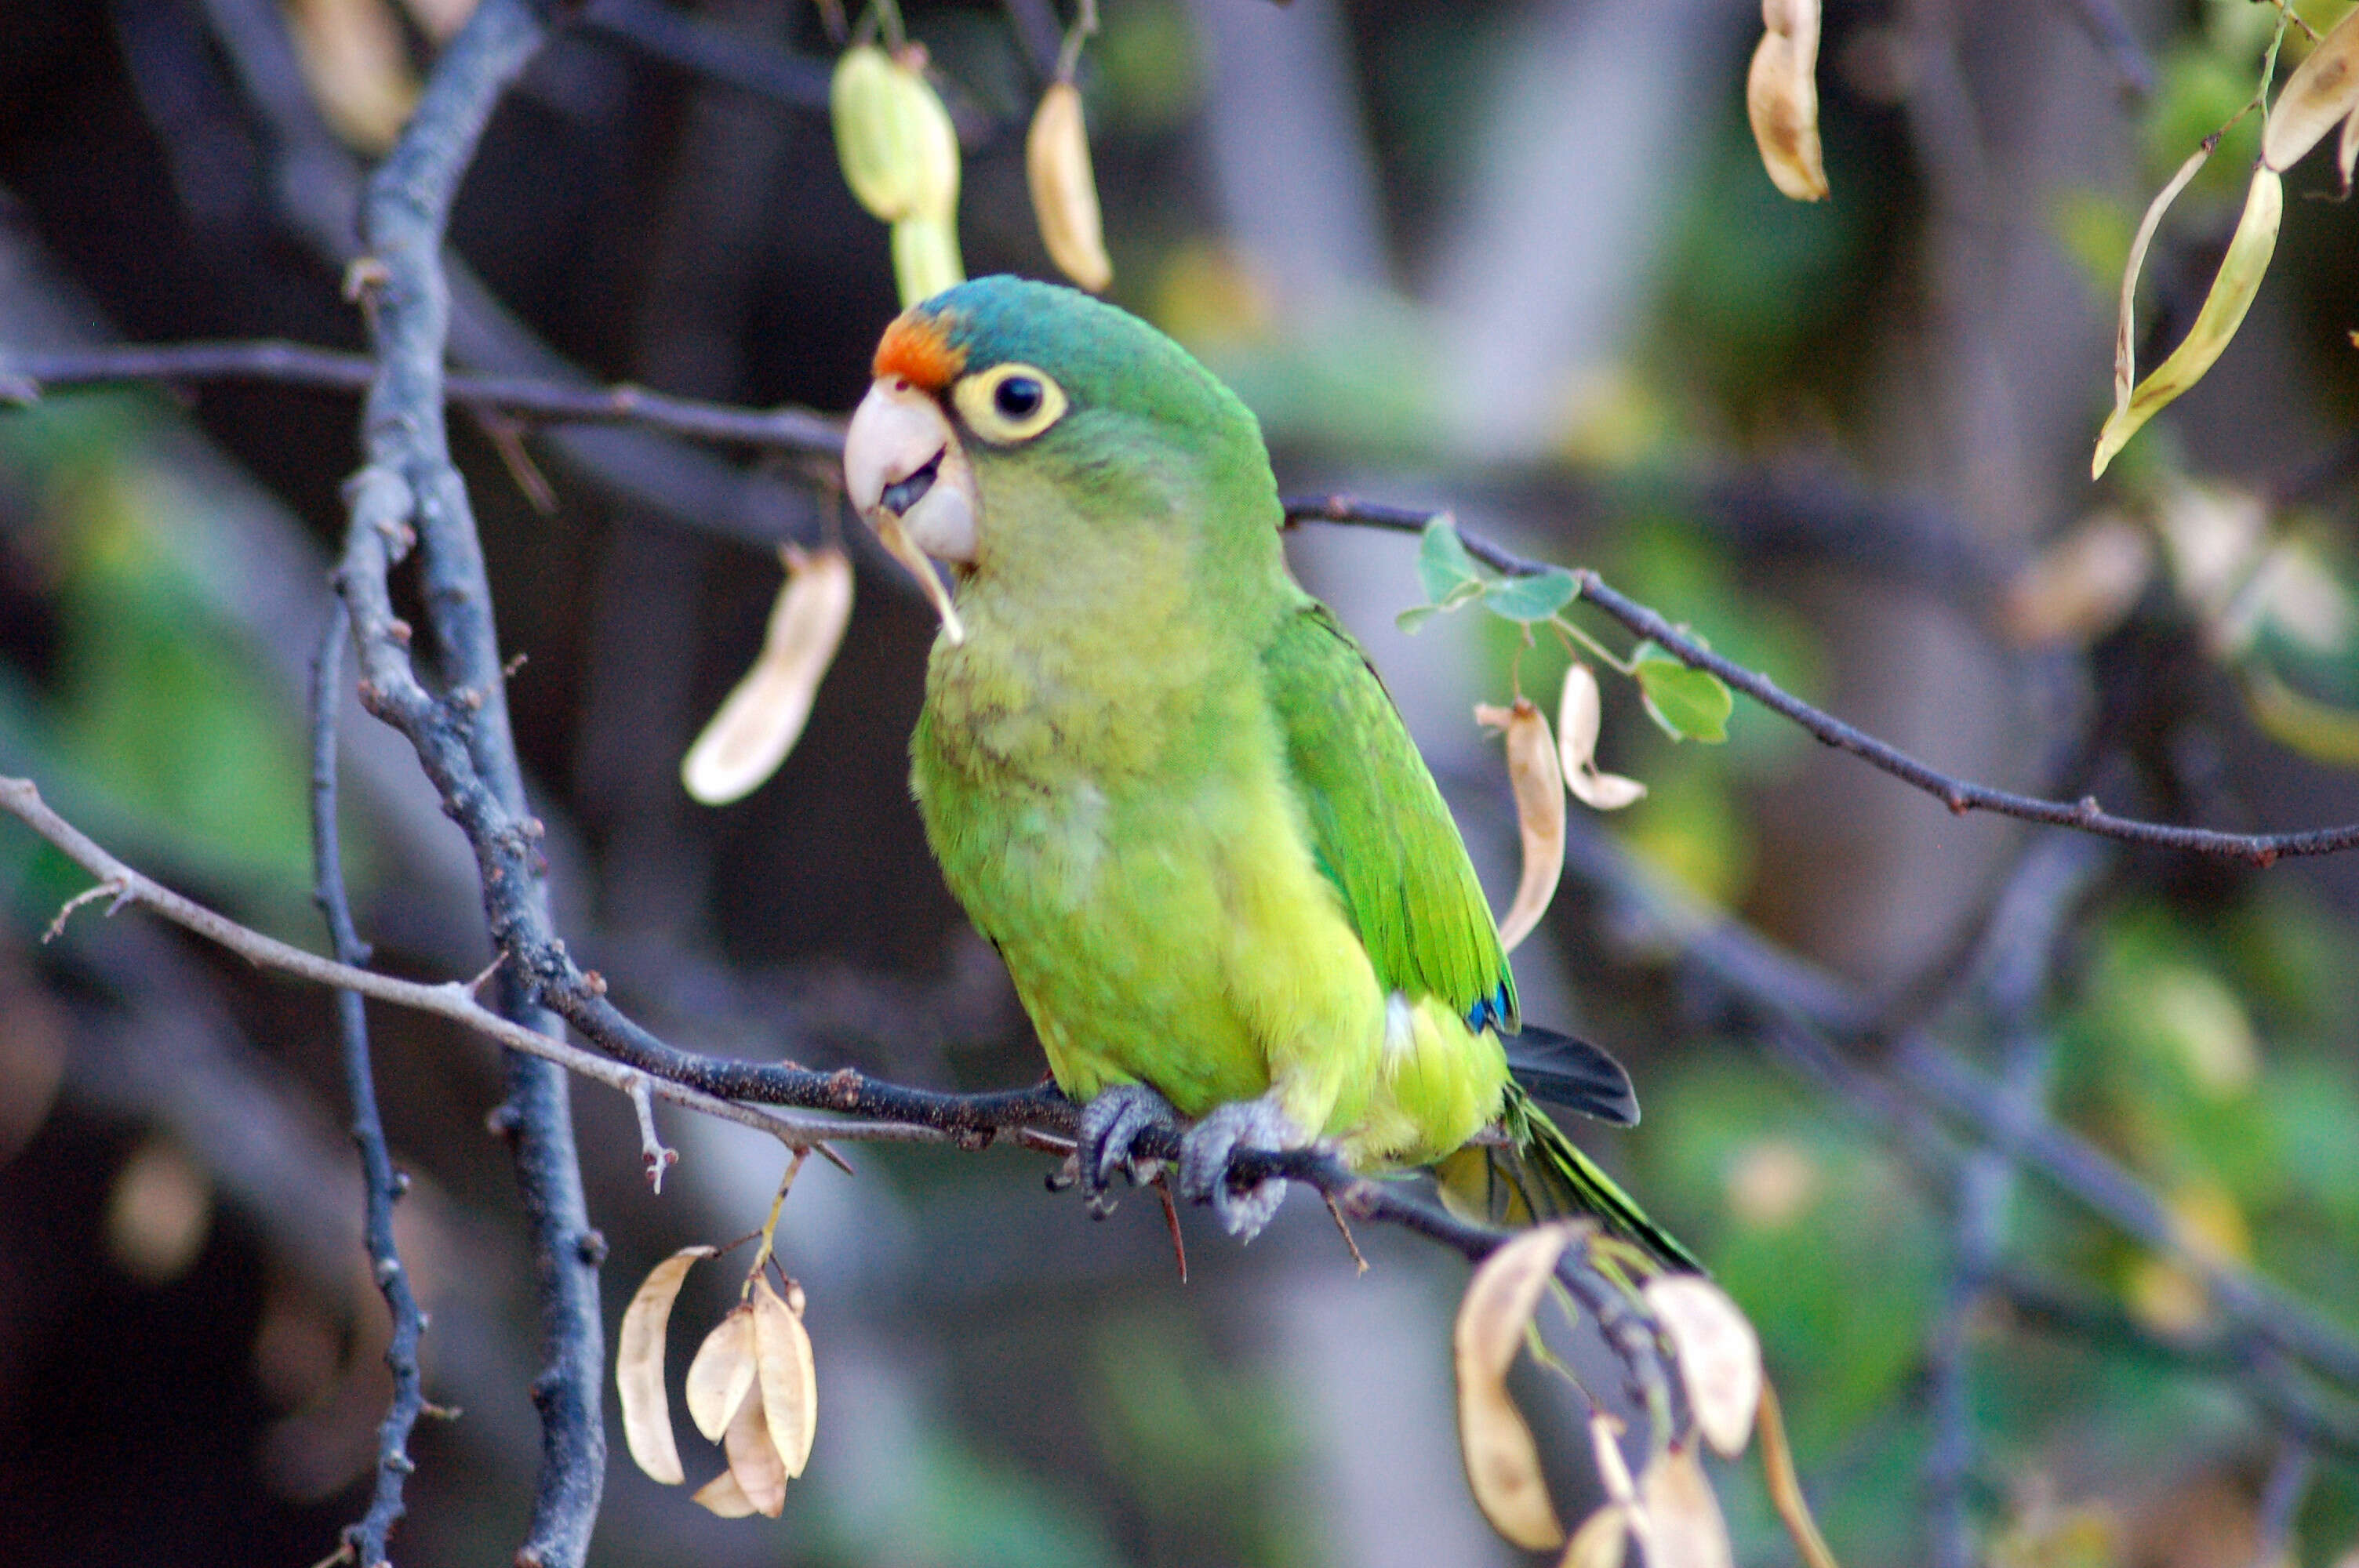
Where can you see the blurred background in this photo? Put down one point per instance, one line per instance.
(1515, 259)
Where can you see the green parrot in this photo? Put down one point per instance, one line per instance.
(1166, 785)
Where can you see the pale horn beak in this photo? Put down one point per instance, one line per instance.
(908, 478)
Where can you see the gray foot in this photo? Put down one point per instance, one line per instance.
(1110, 1126)
(1204, 1164)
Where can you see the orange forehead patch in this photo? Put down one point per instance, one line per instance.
(918, 348)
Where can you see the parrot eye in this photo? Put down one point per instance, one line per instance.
(1009, 403)
(1018, 397)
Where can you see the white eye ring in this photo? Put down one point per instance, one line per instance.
(1009, 403)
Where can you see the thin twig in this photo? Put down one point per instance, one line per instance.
(27, 377)
(453, 1000)
(382, 1186)
(659, 1157)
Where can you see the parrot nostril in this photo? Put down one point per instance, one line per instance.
(899, 498)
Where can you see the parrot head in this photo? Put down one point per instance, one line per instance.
(999, 373)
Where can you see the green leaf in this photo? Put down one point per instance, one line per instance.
(1442, 564)
(1415, 616)
(1688, 704)
(1530, 598)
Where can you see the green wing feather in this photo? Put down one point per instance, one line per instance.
(1385, 839)
(1378, 825)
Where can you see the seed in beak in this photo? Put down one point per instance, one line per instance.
(899, 498)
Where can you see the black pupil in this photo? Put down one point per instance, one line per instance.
(1018, 397)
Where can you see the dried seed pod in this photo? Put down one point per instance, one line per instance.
(782, 1352)
(1602, 1541)
(357, 64)
(1503, 1464)
(1613, 1470)
(754, 1462)
(893, 138)
(765, 715)
(639, 1367)
(2081, 586)
(2125, 327)
(1580, 711)
(1683, 1525)
(1539, 812)
(159, 1213)
(1064, 190)
(723, 1373)
(2239, 279)
(2322, 90)
(1719, 1356)
(904, 549)
(926, 258)
(724, 1497)
(1781, 98)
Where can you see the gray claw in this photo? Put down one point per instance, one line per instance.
(1204, 1164)
(1110, 1126)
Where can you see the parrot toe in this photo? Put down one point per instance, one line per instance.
(1205, 1153)
(1111, 1127)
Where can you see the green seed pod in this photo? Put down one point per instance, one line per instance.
(925, 257)
(1064, 190)
(893, 136)
(2238, 280)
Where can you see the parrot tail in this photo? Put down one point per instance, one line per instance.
(1538, 1174)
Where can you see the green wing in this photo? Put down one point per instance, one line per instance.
(1378, 825)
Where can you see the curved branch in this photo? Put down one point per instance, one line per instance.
(897, 1113)
(1960, 796)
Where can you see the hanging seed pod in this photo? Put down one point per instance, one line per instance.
(2125, 327)
(1684, 1528)
(782, 1354)
(1580, 712)
(2239, 279)
(1719, 1356)
(638, 1366)
(1539, 812)
(893, 138)
(926, 258)
(1602, 1541)
(2322, 90)
(1064, 190)
(722, 1376)
(1781, 98)
(1503, 1462)
(765, 715)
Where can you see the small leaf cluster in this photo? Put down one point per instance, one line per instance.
(1686, 704)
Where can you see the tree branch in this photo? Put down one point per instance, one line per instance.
(453, 1000)
(1034, 1116)
(408, 479)
(25, 377)
(1959, 794)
